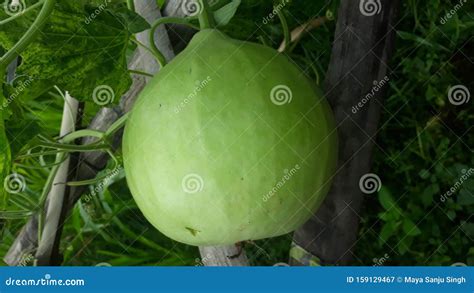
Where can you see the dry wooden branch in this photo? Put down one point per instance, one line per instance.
(228, 255)
(362, 48)
(300, 31)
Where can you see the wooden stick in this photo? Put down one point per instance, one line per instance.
(47, 253)
(227, 256)
(362, 48)
(300, 31)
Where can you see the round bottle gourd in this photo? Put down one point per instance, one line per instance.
(229, 142)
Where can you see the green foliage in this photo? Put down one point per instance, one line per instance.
(5, 155)
(224, 14)
(107, 228)
(82, 46)
(424, 146)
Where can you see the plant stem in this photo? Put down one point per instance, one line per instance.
(74, 148)
(263, 41)
(140, 72)
(206, 19)
(286, 30)
(164, 20)
(80, 134)
(29, 9)
(116, 125)
(131, 5)
(30, 35)
(158, 57)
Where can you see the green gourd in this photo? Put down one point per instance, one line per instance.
(229, 142)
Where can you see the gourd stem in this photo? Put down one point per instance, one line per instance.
(157, 57)
(206, 19)
(15, 16)
(116, 125)
(286, 30)
(30, 35)
(164, 20)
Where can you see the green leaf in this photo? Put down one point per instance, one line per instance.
(428, 193)
(160, 3)
(133, 21)
(451, 214)
(424, 174)
(5, 155)
(421, 41)
(410, 228)
(388, 230)
(20, 130)
(468, 228)
(81, 48)
(465, 197)
(386, 199)
(404, 245)
(224, 14)
(469, 183)
(384, 216)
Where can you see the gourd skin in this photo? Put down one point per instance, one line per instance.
(230, 140)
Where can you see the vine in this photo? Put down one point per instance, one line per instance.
(29, 36)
